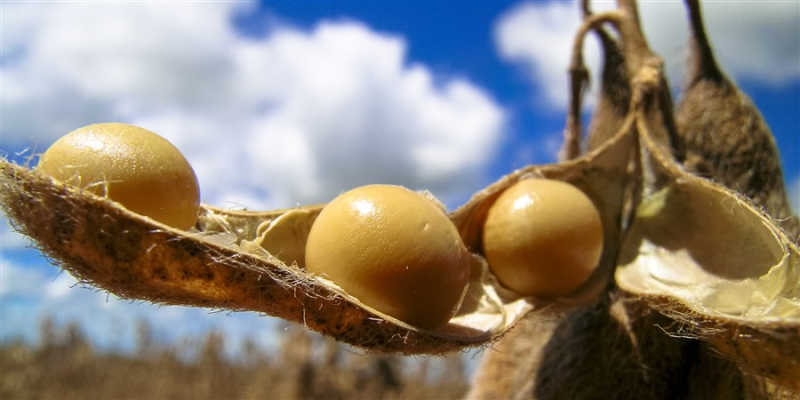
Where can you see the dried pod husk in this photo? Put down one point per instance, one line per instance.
(611, 111)
(710, 259)
(223, 263)
(726, 138)
(254, 261)
(615, 92)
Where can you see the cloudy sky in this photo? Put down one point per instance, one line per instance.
(291, 102)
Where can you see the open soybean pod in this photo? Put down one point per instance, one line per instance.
(684, 246)
(222, 263)
(712, 261)
(706, 256)
(253, 261)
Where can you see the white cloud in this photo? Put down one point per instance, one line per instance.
(293, 118)
(79, 63)
(343, 109)
(17, 280)
(753, 40)
(758, 41)
(538, 37)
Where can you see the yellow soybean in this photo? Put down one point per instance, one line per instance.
(135, 167)
(543, 238)
(394, 250)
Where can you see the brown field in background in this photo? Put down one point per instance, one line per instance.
(64, 365)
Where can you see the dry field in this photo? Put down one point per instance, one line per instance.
(64, 365)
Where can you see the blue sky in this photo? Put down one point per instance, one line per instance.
(291, 102)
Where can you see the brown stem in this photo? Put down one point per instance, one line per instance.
(605, 39)
(704, 64)
(640, 58)
(572, 134)
(631, 9)
(579, 78)
(587, 12)
(590, 23)
(585, 8)
(636, 49)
